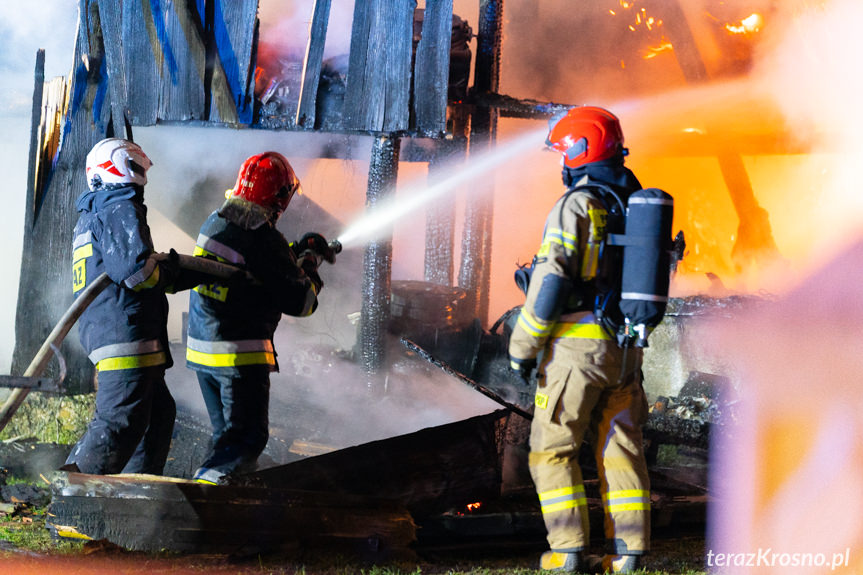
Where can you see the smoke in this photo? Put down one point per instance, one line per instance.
(25, 27)
(807, 71)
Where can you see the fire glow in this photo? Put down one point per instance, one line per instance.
(749, 25)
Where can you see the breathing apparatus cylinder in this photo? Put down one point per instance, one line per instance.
(646, 273)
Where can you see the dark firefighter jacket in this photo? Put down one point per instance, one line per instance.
(125, 326)
(569, 259)
(231, 326)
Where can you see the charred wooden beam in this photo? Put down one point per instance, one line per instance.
(428, 471)
(377, 262)
(148, 513)
(431, 75)
(475, 271)
(440, 218)
(312, 64)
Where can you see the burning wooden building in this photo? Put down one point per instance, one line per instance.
(402, 95)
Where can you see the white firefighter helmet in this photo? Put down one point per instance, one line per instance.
(115, 161)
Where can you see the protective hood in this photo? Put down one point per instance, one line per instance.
(610, 172)
(245, 214)
(94, 201)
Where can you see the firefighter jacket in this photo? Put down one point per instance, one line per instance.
(231, 325)
(125, 326)
(559, 300)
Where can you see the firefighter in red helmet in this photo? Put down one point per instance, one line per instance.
(587, 386)
(231, 326)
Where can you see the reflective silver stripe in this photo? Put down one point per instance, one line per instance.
(142, 274)
(220, 249)
(125, 349)
(642, 296)
(82, 239)
(240, 346)
(654, 201)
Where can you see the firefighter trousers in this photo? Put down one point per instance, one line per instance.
(581, 395)
(238, 407)
(132, 425)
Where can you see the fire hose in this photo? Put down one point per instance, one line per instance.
(212, 268)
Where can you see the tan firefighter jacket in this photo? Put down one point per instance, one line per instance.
(569, 255)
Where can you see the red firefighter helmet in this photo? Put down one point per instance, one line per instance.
(267, 180)
(585, 134)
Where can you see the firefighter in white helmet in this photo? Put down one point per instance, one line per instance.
(124, 329)
(587, 386)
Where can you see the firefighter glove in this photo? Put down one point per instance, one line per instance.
(318, 244)
(523, 368)
(309, 262)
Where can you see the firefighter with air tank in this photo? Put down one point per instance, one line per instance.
(231, 327)
(585, 326)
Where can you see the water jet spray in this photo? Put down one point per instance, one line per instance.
(375, 220)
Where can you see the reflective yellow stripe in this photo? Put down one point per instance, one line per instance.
(150, 281)
(627, 500)
(231, 359)
(639, 506)
(132, 361)
(560, 237)
(82, 252)
(562, 498)
(579, 331)
(531, 325)
(569, 504)
(555, 493)
(199, 251)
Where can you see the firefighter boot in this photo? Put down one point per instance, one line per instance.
(561, 561)
(613, 564)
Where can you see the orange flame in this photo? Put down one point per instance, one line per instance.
(654, 51)
(474, 506)
(749, 25)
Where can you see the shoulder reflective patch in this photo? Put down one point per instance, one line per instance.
(82, 252)
(79, 262)
(79, 275)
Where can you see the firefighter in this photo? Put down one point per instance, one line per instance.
(124, 329)
(230, 334)
(587, 386)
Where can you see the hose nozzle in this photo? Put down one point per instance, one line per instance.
(336, 246)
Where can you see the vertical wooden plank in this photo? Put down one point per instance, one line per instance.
(431, 71)
(142, 57)
(378, 87)
(35, 137)
(398, 65)
(312, 64)
(111, 16)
